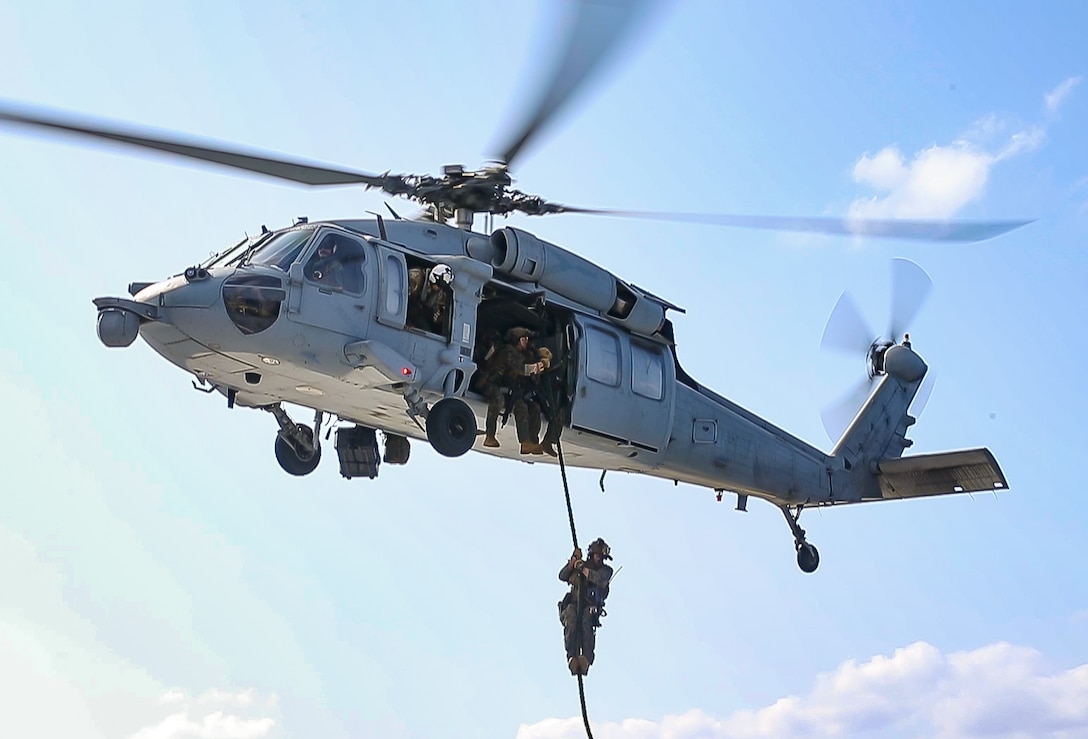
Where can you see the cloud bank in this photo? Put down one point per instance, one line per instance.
(216, 714)
(995, 691)
(937, 182)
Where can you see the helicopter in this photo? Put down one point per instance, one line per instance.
(260, 324)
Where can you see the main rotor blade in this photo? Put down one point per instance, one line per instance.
(846, 331)
(910, 288)
(594, 30)
(285, 169)
(966, 231)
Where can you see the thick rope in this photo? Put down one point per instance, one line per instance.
(574, 538)
(566, 492)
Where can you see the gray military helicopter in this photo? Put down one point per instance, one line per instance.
(326, 316)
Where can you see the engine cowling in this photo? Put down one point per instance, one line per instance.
(520, 255)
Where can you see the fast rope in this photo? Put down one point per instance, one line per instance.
(574, 538)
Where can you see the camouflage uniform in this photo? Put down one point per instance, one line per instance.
(506, 370)
(553, 398)
(580, 642)
(427, 303)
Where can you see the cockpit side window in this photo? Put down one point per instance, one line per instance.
(282, 249)
(337, 264)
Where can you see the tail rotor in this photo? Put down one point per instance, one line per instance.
(847, 332)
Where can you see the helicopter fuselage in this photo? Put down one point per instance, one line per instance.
(262, 325)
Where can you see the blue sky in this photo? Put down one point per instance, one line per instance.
(164, 579)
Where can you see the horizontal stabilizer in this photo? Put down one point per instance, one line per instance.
(945, 473)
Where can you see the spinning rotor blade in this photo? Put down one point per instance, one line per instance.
(965, 231)
(837, 416)
(910, 288)
(284, 169)
(921, 398)
(846, 331)
(594, 31)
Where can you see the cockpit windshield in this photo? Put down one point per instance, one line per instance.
(282, 249)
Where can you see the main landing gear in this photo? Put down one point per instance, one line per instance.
(808, 557)
(298, 448)
(451, 427)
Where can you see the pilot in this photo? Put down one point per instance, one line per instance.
(504, 375)
(325, 267)
(429, 297)
(582, 607)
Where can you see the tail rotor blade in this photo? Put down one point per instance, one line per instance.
(838, 415)
(846, 331)
(910, 288)
(918, 405)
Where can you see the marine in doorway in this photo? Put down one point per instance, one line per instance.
(506, 372)
(581, 609)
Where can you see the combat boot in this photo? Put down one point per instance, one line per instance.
(548, 449)
(530, 447)
(574, 664)
(491, 441)
(583, 665)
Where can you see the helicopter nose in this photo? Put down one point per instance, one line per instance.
(195, 288)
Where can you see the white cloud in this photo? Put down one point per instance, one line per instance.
(196, 719)
(937, 182)
(216, 725)
(998, 690)
(1058, 95)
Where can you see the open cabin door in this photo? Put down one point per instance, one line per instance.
(625, 386)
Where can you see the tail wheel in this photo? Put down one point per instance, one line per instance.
(808, 557)
(451, 427)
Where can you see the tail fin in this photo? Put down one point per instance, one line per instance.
(871, 449)
(879, 430)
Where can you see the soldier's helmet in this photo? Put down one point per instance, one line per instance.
(598, 546)
(517, 333)
(440, 274)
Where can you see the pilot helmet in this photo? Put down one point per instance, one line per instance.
(598, 546)
(441, 274)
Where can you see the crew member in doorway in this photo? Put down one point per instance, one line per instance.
(505, 372)
(429, 297)
(581, 609)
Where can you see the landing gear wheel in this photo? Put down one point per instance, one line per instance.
(808, 557)
(451, 427)
(294, 461)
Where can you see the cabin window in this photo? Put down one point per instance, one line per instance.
(395, 289)
(647, 372)
(602, 356)
(337, 264)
